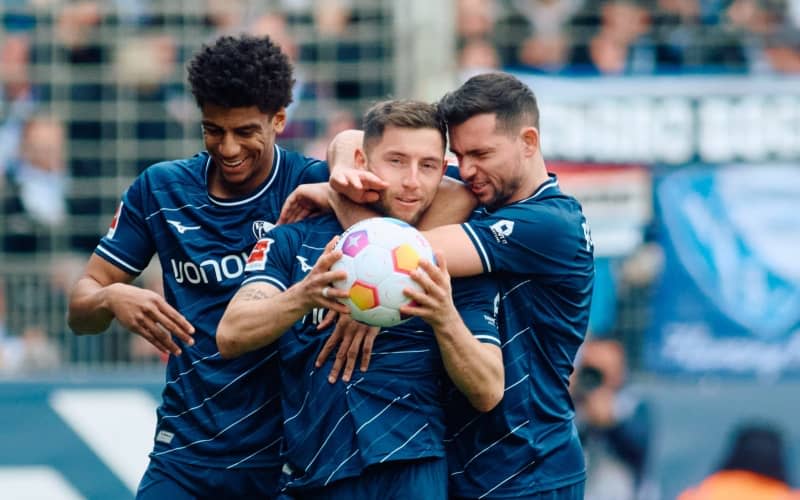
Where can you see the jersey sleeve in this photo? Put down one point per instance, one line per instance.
(270, 260)
(314, 171)
(543, 239)
(128, 244)
(477, 299)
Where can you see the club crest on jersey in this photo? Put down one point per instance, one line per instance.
(261, 228)
(113, 227)
(257, 260)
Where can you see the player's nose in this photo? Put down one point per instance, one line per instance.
(229, 147)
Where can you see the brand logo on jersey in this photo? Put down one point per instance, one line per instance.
(502, 229)
(180, 227)
(303, 264)
(228, 267)
(261, 228)
(112, 229)
(257, 260)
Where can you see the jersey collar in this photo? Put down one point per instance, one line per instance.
(232, 202)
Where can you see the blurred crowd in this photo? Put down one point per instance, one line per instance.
(630, 37)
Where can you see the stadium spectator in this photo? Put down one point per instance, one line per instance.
(754, 467)
(621, 42)
(17, 94)
(357, 457)
(769, 41)
(547, 46)
(613, 421)
(35, 207)
(477, 56)
(199, 215)
(537, 238)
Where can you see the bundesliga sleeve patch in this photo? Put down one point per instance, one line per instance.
(257, 260)
(112, 229)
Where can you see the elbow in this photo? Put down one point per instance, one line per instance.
(488, 400)
(227, 345)
(82, 327)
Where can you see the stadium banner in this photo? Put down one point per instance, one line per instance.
(729, 297)
(672, 120)
(617, 201)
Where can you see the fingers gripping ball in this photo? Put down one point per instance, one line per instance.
(378, 255)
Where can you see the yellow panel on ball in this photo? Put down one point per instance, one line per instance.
(405, 258)
(363, 296)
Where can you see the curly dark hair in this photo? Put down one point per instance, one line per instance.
(242, 71)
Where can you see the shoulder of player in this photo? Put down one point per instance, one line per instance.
(293, 159)
(176, 170)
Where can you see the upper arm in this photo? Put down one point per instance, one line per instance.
(459, 251)
(315, 171)
(453, 204)
(104, 272)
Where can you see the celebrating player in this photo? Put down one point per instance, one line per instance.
(380, 435)
(537, 241)
(219, 430)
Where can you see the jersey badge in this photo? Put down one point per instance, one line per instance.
(257, 260)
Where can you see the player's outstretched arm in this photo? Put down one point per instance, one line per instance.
(453, 204)
(104, 292)
(476, 368)
(260, 313)
(453, 242)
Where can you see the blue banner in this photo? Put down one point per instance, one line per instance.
(729, 298)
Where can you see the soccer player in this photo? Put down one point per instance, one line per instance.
(219, 431)
(380, 435)
(536, 241)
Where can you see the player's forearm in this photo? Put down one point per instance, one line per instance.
(342, 148)
(89, 309)
(347, 211)
(257, 316)
(475, 368)
(453, 204)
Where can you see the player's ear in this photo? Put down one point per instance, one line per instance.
(530, 140)
(360, 159)
(279, 120)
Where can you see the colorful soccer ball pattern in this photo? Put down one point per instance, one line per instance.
(378, 255)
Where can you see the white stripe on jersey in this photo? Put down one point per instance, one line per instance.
(305, 399)
(340, 466)
(220, 432)
(209, 398)
(512, 476)
(516, 335)
(417, 351)
(527, 375)
(163, 209)
(118, 260)
(396, 399)
(515, 287)
(248, 457)
(488, 339)
(404, 444)
(479, 245)
(190, 370)
(328, 438)
(466, 464)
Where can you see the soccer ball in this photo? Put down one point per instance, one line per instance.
(379, 255)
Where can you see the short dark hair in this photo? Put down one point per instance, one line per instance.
(402, 113)
(239, 72)
(511, 101)
(757, 447)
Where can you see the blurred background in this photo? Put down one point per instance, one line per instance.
(675, 122)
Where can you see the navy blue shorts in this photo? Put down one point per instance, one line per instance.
(164, 479)
(570, 492)
(401, 480)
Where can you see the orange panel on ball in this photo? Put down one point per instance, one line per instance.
(405, 258)
(363, 295)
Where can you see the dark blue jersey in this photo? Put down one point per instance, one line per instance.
(214, 412)
(540, 251)
(391, 412)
